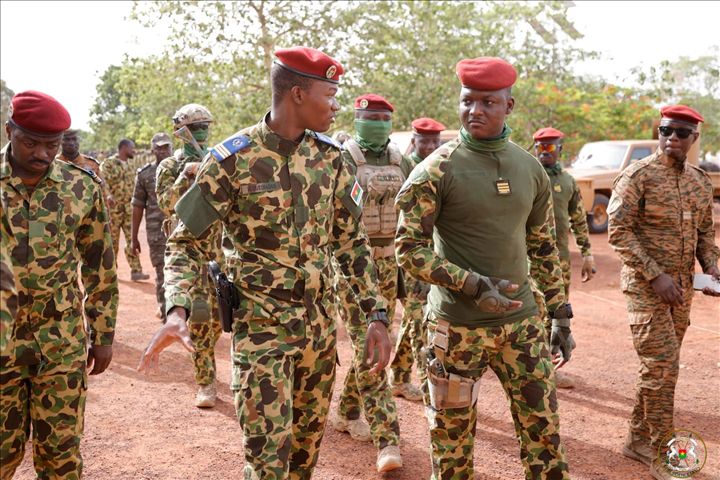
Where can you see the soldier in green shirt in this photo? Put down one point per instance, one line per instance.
(481, 205)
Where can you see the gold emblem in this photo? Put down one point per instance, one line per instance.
(557, 188)
(502, 186)
(332, 69)
(363, 103)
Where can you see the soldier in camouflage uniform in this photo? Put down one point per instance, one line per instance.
(174, 176)
(412, 333)
(70, 153)
(118, 173)
(59, 229)
(145, 200)
(570, 216)
(288, 203)
(8, 289)
(377, 165)
(480, 205)
(660, 221)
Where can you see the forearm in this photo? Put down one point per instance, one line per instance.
(579, 228)
(545, 260)
(707, 251)
(623, 240)
(137, 214)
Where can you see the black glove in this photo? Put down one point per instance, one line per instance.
(485, 292)
(561, 338)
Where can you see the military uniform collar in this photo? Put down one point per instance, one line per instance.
(53, 172)
(275, 142)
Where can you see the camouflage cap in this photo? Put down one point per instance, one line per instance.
(191, 113)
(161, 138)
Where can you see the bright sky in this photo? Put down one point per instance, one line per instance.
(62, 48)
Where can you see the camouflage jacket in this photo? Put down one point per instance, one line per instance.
(453, 221)
(8, 289)
(569, 213)
(169, 183)
(286, 208)
(119, 178)
(88, 163)
(60, 225)
(145, 197)
(660, 221)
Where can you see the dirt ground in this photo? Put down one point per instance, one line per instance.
(139, 427)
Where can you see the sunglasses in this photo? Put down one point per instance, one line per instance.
(681, 133)
(194, 127)
(546, 147)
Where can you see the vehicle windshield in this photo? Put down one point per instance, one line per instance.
(607, 156)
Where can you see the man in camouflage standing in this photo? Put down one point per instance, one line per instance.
(119, 177)
(288, 203)
(481, 205)
(570, 216)
(145, 200)
(412, 334)
(660, 221)
(376, 162)
(70, 153)
(58, 222)
(174, 176)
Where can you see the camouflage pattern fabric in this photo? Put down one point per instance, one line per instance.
(518, 353)
(83, 161)
(660, 221)
(119, 178)
(60, 225)
(204, 320)
(144, 196)
(286, 207)
(362, 392)
(411, 336)
(8, 289)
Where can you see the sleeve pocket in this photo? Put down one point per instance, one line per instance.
(639, 318)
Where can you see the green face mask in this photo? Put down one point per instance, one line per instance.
(373, 134)
(200, 137)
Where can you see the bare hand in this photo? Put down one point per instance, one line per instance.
(668, 291)
(715, 272)
(588, 268)
(174, 330)
(191, 169)
(136, 246)
(377, 341)
(99, 357)
(110, 201)
(558, 360)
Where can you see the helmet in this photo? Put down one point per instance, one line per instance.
(191, 113)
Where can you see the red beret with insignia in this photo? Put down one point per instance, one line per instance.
(548, 133)
(426, 126)
(682, 113)
(309, 62)
(486, 73)
(370, 101)
(38, 113)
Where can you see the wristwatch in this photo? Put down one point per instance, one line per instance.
(562, 312)
(378, 316)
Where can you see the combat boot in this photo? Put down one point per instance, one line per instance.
(659, 472)
(389, 459)
(637, 450)
(407, 390)
(206, 396)
(358, 429)
(138, 276)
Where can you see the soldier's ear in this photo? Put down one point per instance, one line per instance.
(696, 135)
(297, 94)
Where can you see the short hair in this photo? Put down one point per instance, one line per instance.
(71, 133)
(282, 80)
(123, 142)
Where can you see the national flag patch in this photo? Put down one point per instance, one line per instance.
(356, 193)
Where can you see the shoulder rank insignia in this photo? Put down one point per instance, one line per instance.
(93, 159)
(144, 167)
(229, 147)
(86, 171)
(325, 139)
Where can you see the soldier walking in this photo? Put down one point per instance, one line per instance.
(145, 201)
(58, 222)
(119, 177)
(287, 202)
(660, 222)
(481, 205)
(70, 153)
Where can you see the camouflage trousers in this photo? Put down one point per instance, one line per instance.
(52, 401)
(120, 219)
(657, 331)
(283, 373)
(363, 392)
(518, 354)
(410, 342)
(205, 330)
(157, 257)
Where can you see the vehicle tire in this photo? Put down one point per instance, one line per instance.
(598, 218)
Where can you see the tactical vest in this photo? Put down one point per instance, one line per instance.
(381, 184)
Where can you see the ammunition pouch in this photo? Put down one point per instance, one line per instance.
(447, 390)
(199, 311)
(227, 295)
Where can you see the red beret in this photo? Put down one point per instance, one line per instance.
(309, 62)
(486, 73)
(38, 113)
(548, 133)
(682, 113)
(426, 126)
(370, 101)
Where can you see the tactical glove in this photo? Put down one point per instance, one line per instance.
(561, 338)
(486, 293)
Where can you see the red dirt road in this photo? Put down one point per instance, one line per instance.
(141, 427)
